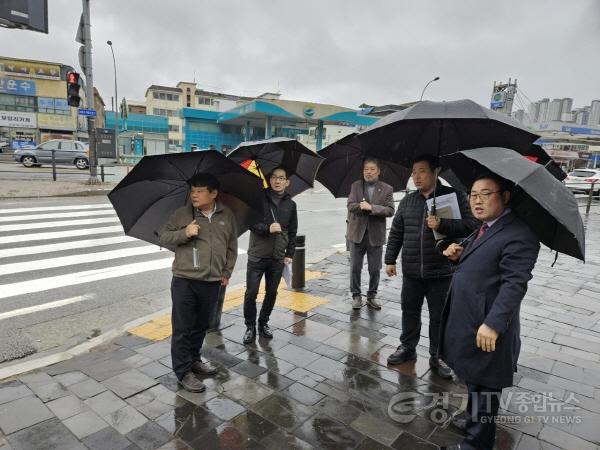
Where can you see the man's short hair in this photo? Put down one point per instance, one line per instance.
(432, 160)
(370, 159)
(503, 184)
(207, 180)
(287, 173)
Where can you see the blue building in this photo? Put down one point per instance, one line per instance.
(140, 134)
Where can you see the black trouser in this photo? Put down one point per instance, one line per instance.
(482, 410)
(413, 292)
(357, 256)
(194, 304)
(272, 270)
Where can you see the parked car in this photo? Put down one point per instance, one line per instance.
(580, 180)
(66, 152)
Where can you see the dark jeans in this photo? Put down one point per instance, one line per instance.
(357, 256)
(272, 270)
(413, 292)
(194, 304)
(482, 410)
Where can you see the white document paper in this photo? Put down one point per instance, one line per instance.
(287, 275)
(446, 207)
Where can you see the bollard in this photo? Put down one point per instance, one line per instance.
(102, 172)
(589, 202)
(298, 280)
(53, 165)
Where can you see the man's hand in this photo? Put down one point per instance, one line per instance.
(433, 222)
(365, 206)
(224, 281)
(390, 269)
(486, 338)
(192, 229)
(275, 228)
(453, 252)
(287, 260)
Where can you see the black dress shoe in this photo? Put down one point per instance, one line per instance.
(402, 355)
(265, 331)
(440, 367)
(249, 335)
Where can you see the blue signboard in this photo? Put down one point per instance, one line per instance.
(61, 103)
(17, 87)
(45, 103)
(87, 112)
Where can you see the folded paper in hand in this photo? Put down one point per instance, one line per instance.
(446, 207)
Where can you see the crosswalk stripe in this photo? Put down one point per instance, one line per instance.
(51, 263)
(64, 215)
(76, 278)
(59, 223)
(43, 306)
(59, 234)
(57, 208)
(70, 245)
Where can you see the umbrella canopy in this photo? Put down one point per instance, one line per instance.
(158, 185)
(441, 128)
(537, 197)
(301, 162)
(344, 163)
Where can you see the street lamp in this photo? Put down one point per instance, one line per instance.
(115, 103)
(435, 79)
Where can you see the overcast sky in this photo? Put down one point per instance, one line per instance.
(343, 52)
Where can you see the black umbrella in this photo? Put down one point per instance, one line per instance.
(158, 185)
(537, 197)
(440, 128)
(343, 166)
(301, 162)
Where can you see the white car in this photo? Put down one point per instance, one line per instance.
(581, 180)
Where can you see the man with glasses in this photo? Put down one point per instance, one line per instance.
(272, 245)
(480, 321)
(425, 272)
(370, 202)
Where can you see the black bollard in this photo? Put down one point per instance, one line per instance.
(102, 172)
(53, 165)
(298, 279)
(589, 202)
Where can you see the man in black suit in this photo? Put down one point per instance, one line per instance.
(480, 322)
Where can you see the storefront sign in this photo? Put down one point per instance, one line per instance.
(56, 122)
(17, 87)
(30, 69)
(17, 119)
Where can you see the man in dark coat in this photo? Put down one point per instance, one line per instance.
(425, 272)
(272, 245)
(480, 327)
(370, 202)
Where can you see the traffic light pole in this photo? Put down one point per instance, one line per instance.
(89, 91)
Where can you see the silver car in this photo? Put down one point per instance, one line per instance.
(582, 180)
(66, 152)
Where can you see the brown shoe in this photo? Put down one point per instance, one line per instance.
(192, 384)
(203, 368)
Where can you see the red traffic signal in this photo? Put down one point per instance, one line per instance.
(73, 86)
(72, 78)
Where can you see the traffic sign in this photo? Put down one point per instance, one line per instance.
(87, 112)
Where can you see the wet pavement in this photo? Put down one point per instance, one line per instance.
(323, 381)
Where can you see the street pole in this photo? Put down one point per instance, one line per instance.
(115, 103)
(89, 91)
(435, 79)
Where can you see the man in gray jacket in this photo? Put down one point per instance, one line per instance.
(369, 203)
(205, 239)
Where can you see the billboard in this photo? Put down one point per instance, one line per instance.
(25, 14)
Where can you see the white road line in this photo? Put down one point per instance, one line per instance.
(59, 223)
(51, 263)
(71, 245)
(56, 208)
(88, 276)
(7, 219)
(44, 235)
(50, 305)
(339, 245)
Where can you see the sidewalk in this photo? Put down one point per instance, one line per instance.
(43, 188)
(322, 382)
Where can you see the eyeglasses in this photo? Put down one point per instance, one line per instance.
(274, 178)
(473, 196)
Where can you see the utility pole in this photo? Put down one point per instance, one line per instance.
(89, 89)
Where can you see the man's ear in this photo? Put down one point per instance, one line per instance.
(506, 197)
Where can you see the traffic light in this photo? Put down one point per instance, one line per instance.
(73, 86)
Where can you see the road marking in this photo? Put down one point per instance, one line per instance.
(60, 223)
(70, 245)
(7, 219)
(51, 263)
(342, 245)
(50, 305)
(46, 236)
(57, 208)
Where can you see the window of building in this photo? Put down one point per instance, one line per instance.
(205, 101)
(174, 128)
(174, 141)
(7, 102)
(24, 103)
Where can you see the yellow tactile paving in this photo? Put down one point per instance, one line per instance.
(160, 328)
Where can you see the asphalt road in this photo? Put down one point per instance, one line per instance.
(67, 272)
(11, 170)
